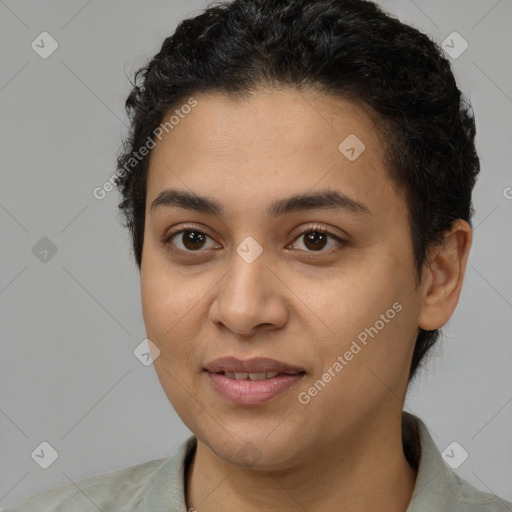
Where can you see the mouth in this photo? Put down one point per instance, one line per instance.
(255, 375)
(255, 367)
(252, 382)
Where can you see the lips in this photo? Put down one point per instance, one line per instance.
(252, 382)
(233, 365)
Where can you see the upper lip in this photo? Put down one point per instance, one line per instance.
(254, 365)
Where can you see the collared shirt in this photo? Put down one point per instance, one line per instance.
(159, 485)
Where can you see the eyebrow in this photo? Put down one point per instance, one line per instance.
(327, 199)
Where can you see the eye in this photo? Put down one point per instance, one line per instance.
(315, 239)
(189, 239)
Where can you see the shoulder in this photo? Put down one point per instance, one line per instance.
(470, 499)
(119, 490)
(438, 487)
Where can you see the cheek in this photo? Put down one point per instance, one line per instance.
(170, 305)
(371, 305)
(168, 301)
(354, 297)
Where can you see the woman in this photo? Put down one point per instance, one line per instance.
(297, 184)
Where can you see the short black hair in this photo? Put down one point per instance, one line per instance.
(352, 49)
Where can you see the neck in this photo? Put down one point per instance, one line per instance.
(363, 471)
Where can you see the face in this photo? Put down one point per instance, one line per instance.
(326, 286)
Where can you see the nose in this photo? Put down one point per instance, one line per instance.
(250, 298)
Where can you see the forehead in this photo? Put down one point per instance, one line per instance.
(270, 143)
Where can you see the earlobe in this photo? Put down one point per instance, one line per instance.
(444, 276)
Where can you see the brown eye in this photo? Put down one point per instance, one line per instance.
(315, 240)
(193, 239)
(188, 240)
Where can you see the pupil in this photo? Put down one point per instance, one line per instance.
(189, 242)
(315, 237)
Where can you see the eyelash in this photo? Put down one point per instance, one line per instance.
(315, 228)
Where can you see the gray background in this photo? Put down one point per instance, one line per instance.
(70, 324)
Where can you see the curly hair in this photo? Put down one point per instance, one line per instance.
(351, 49)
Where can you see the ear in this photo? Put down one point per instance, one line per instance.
(443, 276)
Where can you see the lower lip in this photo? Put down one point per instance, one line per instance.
(252, 392)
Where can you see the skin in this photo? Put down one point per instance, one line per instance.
(343, 449)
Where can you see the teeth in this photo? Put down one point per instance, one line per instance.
(251, 376)
(258, 376)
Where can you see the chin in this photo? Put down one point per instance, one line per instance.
(255, 448)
